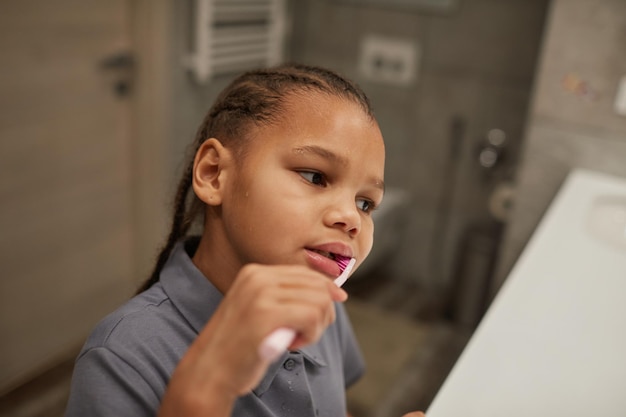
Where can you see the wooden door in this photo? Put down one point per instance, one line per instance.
(66, 242)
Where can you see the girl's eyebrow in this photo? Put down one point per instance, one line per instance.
(333, 157)
(322, 152)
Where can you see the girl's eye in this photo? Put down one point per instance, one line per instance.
(313, 177)
(365, 205)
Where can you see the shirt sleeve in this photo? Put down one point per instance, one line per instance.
(104, 385)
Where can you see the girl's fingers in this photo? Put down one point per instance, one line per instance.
(288, 296)
(339, 294)
(262, 299)
(268, 290)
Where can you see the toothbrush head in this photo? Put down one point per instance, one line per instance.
(342, 261)
(345, 274)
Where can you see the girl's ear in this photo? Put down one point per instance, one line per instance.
(209, 174)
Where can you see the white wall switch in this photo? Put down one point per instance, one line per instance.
(389, 60)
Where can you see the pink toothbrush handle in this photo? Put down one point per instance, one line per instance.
(276, 343)
(279, 340)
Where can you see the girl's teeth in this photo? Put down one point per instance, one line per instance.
(326, 254)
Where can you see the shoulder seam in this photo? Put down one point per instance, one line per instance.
(119, 321)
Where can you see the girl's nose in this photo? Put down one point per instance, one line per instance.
(345, 216)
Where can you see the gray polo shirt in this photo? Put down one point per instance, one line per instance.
(127, 361)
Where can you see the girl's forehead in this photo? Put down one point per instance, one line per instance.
(314, 122)
(332, 128)
(326, 111)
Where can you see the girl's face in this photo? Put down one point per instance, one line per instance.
(306, 188)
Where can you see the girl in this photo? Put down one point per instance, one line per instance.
(287, 168)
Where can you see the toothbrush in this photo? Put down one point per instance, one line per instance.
(280, 339)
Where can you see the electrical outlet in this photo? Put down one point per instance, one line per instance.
(388, 60)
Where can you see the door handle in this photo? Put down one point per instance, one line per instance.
(119, 66)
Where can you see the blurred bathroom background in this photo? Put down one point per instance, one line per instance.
(485, 106)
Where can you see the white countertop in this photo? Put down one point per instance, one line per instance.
(553, 342)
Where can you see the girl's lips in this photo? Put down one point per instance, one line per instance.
(322, 263)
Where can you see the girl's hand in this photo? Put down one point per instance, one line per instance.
(223, 362)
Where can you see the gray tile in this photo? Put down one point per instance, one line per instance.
(581, 66)
(490, 37)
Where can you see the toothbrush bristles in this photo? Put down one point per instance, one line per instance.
(343, 262)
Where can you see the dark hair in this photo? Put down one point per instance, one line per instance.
(254, 98)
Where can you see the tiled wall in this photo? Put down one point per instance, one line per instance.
(572, 121)
(477, 63)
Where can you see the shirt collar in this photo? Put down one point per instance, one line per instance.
(190, 291)
(313, 354)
